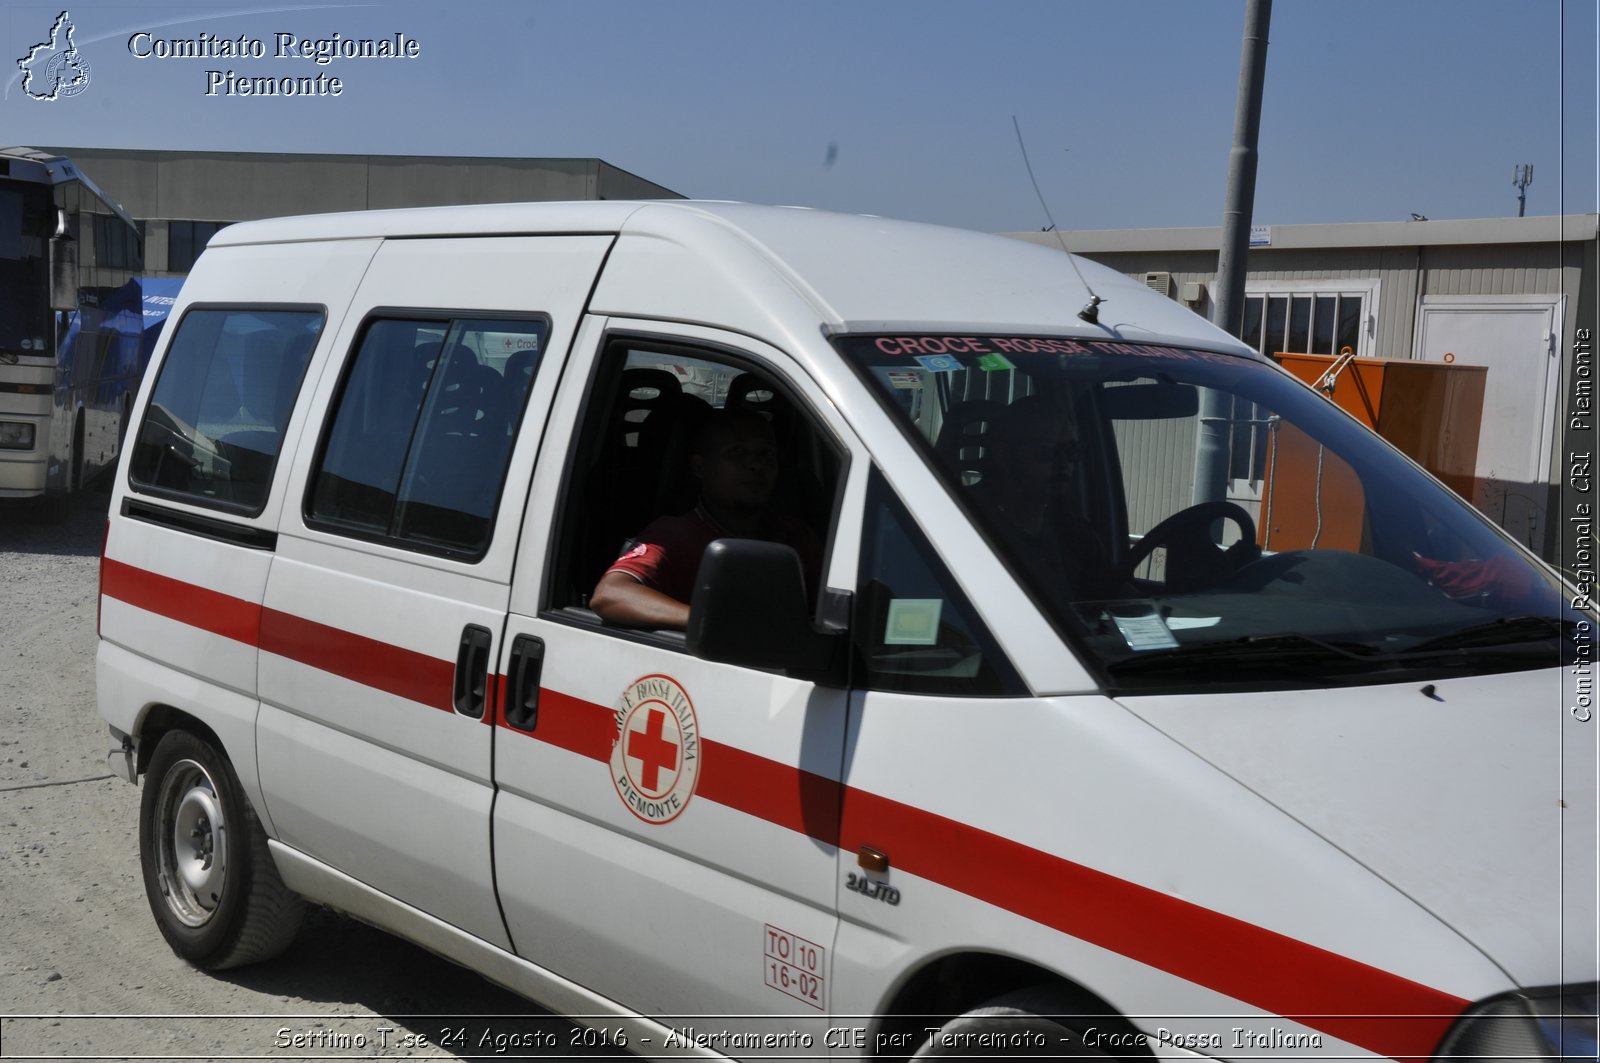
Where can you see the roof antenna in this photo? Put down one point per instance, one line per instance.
(1091, 310)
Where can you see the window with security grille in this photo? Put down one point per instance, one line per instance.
(1305, 322)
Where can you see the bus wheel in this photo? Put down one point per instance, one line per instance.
(210, 880)
(1027, 1022)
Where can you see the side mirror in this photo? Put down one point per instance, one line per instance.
(749, 608)
(63, 267)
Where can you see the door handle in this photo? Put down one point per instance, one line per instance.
(472, 671)
(522, 682)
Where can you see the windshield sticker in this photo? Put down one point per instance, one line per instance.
(1038, 346)
(932, 345)
(913, 622)
(1143, 629)
(988, 352)
(1171, 354)
(904, 379)
(939, 363)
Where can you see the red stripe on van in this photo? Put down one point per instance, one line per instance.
(380, 665)
(200, 607)
(1348, 999)
(769, 790)
(573, 724)
(497, 699)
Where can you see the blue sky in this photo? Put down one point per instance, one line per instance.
(1374, 108)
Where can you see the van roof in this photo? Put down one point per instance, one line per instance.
(858, 273)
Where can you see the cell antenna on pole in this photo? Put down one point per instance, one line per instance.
(1521, 178)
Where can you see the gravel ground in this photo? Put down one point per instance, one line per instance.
(83, 971)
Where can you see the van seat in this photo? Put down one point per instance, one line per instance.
(642, 471)
(963, 440)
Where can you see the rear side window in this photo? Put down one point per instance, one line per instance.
(216, 419)
(417, 445)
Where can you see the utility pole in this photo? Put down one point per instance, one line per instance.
(1239, 200)
(1521, 178)
(1227, 312)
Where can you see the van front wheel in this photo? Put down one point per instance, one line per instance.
(1028, 1022)
(208, 876)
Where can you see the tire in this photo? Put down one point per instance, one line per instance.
(56, 509)
(211, 883)
(1025, 1023)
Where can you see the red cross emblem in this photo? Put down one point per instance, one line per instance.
(652, 751)
(655, 760)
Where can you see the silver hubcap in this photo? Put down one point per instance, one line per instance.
(194, 843)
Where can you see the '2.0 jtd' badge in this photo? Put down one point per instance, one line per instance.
(655, 761)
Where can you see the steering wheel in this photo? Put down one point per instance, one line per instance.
(1193, 560)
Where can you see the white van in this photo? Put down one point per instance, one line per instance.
(1133, 701)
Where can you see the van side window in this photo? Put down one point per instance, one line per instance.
(650, 406)
(914, 630)
(215, 422)
(417, 444)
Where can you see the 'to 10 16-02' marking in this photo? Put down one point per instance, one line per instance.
(795, 966)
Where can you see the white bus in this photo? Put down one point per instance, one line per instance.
(71, 325)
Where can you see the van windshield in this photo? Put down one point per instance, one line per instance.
(1193, 519)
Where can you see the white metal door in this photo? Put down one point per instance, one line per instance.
(1516, 337)
(374, 737)
(666, 826)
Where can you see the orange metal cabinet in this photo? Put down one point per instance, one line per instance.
(1430, 411)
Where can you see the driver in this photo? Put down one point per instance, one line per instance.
(1032, 486)
(736, 461)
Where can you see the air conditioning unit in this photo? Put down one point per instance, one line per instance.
(1159, 282)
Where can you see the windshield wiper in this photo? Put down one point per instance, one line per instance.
(1287, 649)
(1292, 650)
(1502, 631)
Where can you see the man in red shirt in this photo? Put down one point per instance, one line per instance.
(736, 461)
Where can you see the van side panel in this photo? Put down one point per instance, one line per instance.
(368, 762)
(184, 607)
